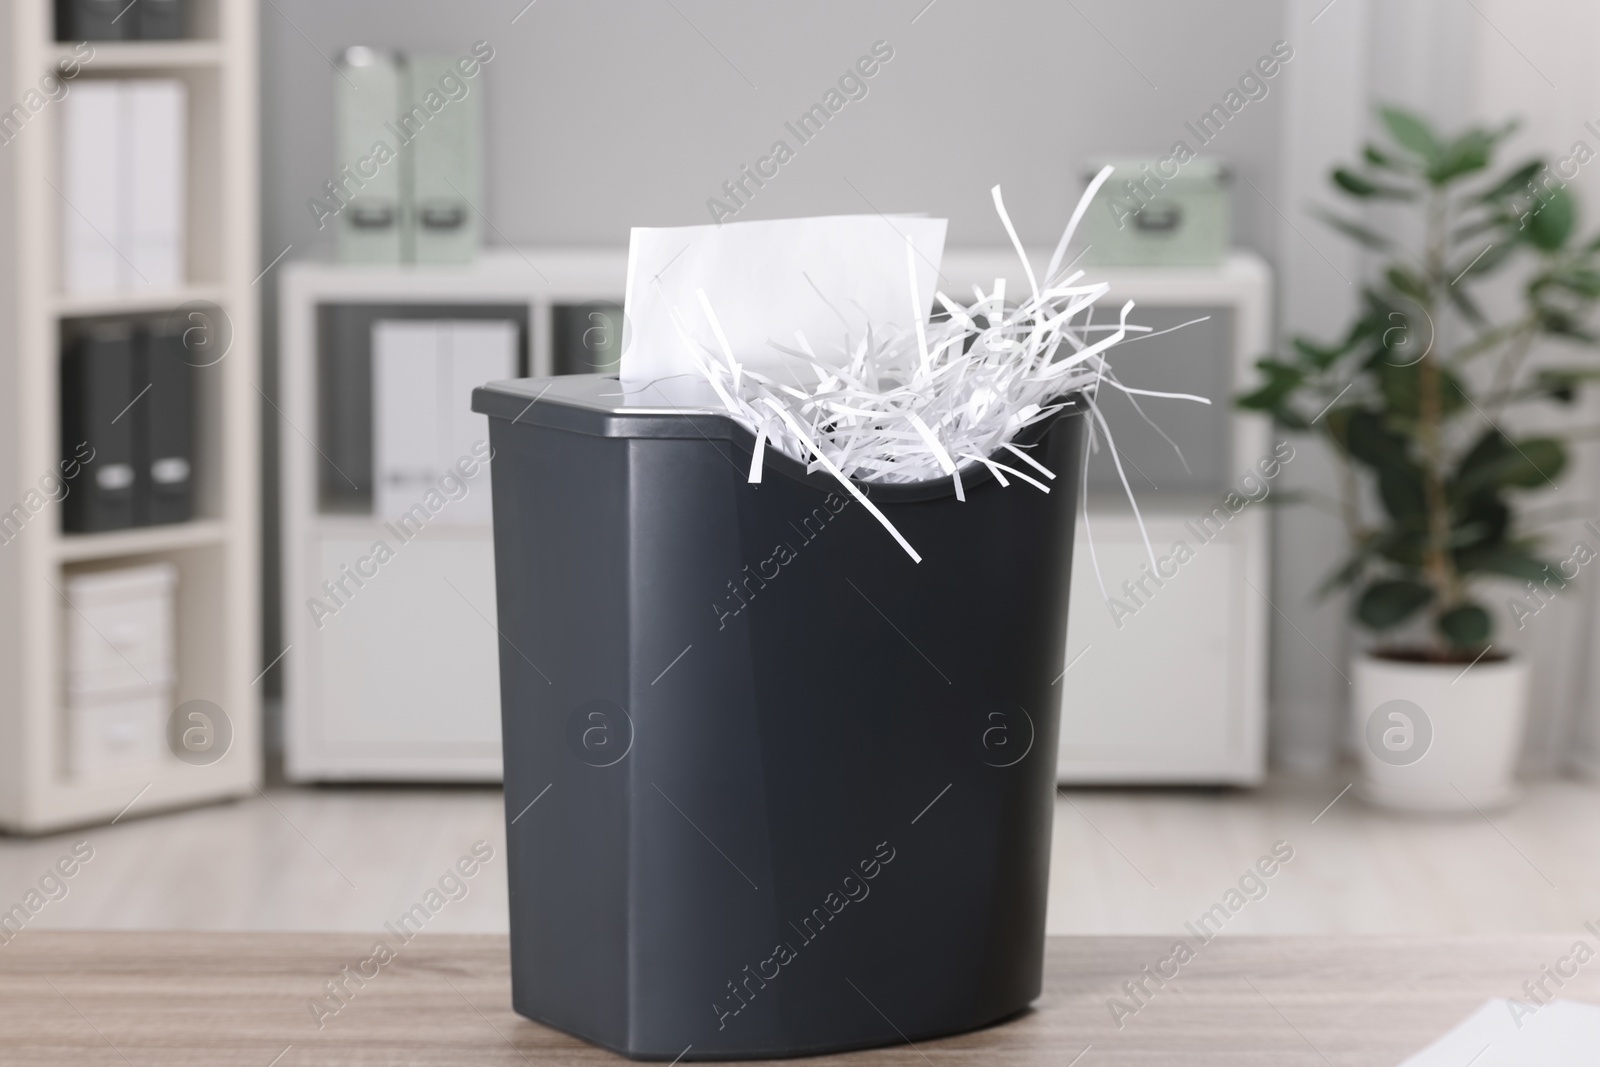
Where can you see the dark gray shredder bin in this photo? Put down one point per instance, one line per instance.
(772, 788)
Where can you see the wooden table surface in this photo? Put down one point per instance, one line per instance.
(242, 998)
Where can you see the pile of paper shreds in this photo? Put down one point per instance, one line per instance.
(913, 405)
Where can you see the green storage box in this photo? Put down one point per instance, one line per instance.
(409, 163)
(1155, 213)
(446, 160)
(367, 190)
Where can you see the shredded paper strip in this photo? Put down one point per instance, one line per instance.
(940, 398)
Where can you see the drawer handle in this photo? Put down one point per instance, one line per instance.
(1162, 218)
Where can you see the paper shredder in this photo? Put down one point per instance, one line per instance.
(772, 788)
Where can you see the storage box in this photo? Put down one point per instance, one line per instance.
(120, 629)
(119, 667)
(370, 186)
(770, 784)
(446, 162)
(410, 159)
(110, 733)
(1157, 213)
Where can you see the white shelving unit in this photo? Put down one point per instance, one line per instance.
(1176, 695)
(217, 553)
(403, 684)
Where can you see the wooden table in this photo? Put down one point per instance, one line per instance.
(225, 998)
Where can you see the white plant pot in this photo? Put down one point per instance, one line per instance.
(1439, 737)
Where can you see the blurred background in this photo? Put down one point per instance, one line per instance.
(319, 310)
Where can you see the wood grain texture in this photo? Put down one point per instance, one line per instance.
(242, 999)
(1122, 862)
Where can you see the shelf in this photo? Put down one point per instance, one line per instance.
(141, 55)
(136, 301)
(216, 611)
(139, 540)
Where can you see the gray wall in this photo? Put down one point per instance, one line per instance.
(606, 115)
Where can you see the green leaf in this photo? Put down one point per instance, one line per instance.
(1365, 436)
(1483, 261)
(1403, 544)
(1509, 561)
(1514, 183)
(1399, 344)
(1389, 603)
(1466, 154)
(1561, 323)
(1476, 471)
(1281, 412)
(1400, 489)
(1465, 626)
(1407, 283)
(1352, 182)
(1367, 439)
(1496, 462)
(1278, 371)
(1551, 223)
(1345, 574)
(1411, 132)
(1356, 232)
(1274, 395)
(1318, 356)
(1585, 281)
(1466, 305)
(1490, 223)
(1400, 383)
(1562, 383)
(1478, 540)
(1363, 187)
(1377, 157)
(1541, 459)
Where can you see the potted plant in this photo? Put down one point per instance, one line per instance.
(1418, 400)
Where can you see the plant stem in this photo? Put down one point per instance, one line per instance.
(1438, 563)
(1350, 500)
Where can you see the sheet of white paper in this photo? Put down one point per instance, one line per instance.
(764, 281)
(1562, 1033)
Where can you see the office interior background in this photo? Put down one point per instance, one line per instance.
(1199, 729)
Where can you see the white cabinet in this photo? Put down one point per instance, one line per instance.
(1156, 690)
(404, 677)
(393, 668)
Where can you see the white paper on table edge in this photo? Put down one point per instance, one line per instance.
(1490, 1037)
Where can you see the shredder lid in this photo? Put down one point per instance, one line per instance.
(600, 405)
